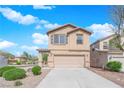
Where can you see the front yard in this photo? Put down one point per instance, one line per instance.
(30, 81)
(116, 77)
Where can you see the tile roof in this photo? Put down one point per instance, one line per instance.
(75, 28)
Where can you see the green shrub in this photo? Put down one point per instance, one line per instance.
(114, 66)
(45, 58)
(18, 62)
(14, 74)
(18, 83)
(6, 68)
(36, 70)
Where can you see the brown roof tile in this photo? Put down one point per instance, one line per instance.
(43, 50)
(75, 28)
(79, 29)
(60, 28)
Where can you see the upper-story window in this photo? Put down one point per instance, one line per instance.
(105, 45)
(51, 39)
(58, 39)
(79, 39)
(62, 39)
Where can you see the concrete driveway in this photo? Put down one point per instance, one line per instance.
(75, 78)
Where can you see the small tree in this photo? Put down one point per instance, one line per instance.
(30, 58)
(45, 58)
(117, 17)
(27, 55)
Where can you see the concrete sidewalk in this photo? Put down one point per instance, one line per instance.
(75, 78)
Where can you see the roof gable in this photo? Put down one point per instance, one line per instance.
(103, 39)
(84, 30)
(66, 25)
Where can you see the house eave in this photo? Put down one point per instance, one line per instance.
(43, 50)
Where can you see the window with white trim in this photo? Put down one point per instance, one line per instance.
(59, 39)
(79, 39)
(51, 39)
(105, 45)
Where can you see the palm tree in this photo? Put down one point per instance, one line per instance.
(26, 55)
(29, 56)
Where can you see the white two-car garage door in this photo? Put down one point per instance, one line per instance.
(69, 61)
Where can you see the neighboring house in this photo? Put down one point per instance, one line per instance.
(3, 61)
(68, 46)
(102, 52)
(23, 60)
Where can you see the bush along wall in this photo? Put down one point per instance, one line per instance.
(114, 66)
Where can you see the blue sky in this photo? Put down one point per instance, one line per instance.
(23, 28)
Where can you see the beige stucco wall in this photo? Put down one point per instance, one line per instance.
(71, 48)
(98, 59)
(63, 30)
(101, 43)
(86, 55)
(72, 45)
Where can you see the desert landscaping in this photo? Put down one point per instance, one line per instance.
(30, 81)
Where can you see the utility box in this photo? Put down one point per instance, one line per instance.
(3, 61)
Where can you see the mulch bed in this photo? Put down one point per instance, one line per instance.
(31, 81)
(116, 77)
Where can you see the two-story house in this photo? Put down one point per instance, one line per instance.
(68, 46)
(102, 52)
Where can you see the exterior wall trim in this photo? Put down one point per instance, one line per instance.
(78, 50)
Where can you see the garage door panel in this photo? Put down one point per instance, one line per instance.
(69, 61)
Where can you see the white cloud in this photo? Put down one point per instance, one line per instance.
(26, 19)
(100, 30)
(51, 26)
(43, 22)
(46, 24)
(40, 38)
(17, 16)
(30, 48)
(48, 7)
(38, 27)
(6, 44)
